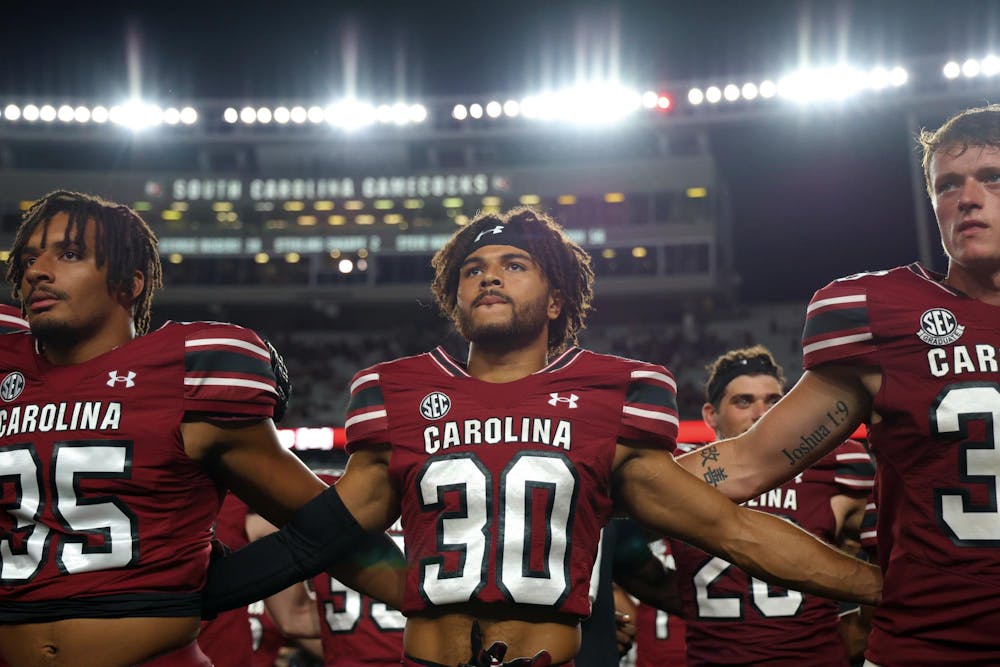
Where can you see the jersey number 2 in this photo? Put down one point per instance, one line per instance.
(95, 532)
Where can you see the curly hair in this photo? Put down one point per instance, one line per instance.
(973, 127)
(123, 240)
(755, 360)
(564, 263)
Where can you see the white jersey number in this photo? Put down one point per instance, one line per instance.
(466, 530)
(81, 518)
(770, 605)
(966, 523)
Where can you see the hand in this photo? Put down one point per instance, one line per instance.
(493, 656)
(281, 380)
(624, 632)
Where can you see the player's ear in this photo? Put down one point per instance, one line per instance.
(709, 415)
(555, 304)
(130, 290)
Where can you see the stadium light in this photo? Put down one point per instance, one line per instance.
(749, 91)
(316, 115)
(248, 115)
(768, 89)
(30, 113)
(189, 116)
(713, 94)
(970, 68)
(695, 96)
(12, 112)
(65, 113)
(282, 115)
(171, 116)
(230, 115)
(47, 113)
(731, 92)
(952, 70)
(100, 115)
(494, 109)
(298, 115)
(81, 114)
(264, 115)
(476, 111)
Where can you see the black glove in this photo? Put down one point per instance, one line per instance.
(281, 380)
(493, 656)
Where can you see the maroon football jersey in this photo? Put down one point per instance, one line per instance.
(266, 637)
(735, 619)
(505, 487)
(936, 447)
(226, 639)
(11, 319)
(101, 511)
(659, 636)
(356, 630)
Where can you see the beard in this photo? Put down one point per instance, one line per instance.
(53, 333)
(524, 325)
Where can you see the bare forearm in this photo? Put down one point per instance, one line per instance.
(781, 553)
(378, 570)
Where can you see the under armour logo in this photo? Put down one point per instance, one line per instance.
(495, 230)
(571, 400)
(114, 378)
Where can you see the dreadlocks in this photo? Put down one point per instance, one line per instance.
(123, 240)
(565, 265)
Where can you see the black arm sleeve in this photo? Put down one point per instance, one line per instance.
(322, 532)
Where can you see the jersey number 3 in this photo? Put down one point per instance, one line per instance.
(967, 523)
(94, 533)
(537, 493)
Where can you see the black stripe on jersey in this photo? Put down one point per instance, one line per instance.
(863, 469)
(7, 330)
(448, 363)
(160, 605)
(836, 320)
(369, 397)
(565, 360)
(650, 394)
(870, 519)
(219, 361)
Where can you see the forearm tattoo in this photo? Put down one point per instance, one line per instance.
(819, 435)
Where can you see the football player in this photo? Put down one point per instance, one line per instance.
(502, 467)
(731, 617)
(114, 443)
(915, 355)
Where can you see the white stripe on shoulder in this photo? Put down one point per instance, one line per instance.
(854, 483)
(229, 382)
(367, 416)
(364, 379)
(868, 534)
(228, 342)
(834, 342)
(653, 375)
(836, 301)
(853, 456)
(649, 414)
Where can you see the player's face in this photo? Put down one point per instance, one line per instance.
(503, 297)
(967, 205)
(65, 293)
(746, 399)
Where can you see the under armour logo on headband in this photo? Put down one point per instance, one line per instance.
(493, 230)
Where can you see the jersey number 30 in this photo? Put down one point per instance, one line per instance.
(538, 490)
(96, 533)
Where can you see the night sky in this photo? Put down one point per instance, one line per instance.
(815, 195)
